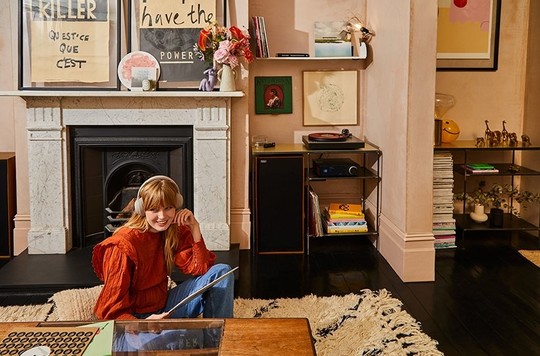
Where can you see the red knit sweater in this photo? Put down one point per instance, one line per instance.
(131, 264)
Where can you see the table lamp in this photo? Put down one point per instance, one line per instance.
(357, 33)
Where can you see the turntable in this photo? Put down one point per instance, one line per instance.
(332, 141)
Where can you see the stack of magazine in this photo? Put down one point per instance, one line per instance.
(444, 224)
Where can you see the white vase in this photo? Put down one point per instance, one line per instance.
(478, 214)
(227, 76)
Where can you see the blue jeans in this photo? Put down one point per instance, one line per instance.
(217, 302)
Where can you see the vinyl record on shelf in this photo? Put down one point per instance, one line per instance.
(327, 137)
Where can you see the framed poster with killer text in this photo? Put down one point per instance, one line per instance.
(69, 44)
(169, 30)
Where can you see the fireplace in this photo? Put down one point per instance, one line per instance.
(109, 163)
(51, 122)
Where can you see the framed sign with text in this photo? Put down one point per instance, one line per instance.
(168, 30)
(69, 44)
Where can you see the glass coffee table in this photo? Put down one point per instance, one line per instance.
(236, 336)
(168, 336)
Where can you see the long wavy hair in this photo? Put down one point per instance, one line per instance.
(156, 194)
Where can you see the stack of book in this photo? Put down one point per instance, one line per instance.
(475, 168)
(258, 32)
(342, 218)
(444, 224)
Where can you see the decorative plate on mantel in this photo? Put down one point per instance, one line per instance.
(136, 59)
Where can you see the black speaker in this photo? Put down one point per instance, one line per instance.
(279, 204)
(7, 203)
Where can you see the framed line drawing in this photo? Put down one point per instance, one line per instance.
(330, 98)
(273, 95)
(468, 34)
(69, 44)
(168, 30)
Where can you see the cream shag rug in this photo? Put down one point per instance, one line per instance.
(368, 323)
(531, 255)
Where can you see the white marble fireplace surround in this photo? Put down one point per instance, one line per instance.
(50, 115)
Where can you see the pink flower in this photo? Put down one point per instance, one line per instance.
(222, 45)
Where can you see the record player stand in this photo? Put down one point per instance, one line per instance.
(369, 179)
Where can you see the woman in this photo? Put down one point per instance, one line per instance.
(135, 261)
(274, 101)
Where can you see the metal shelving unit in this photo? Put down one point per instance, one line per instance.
(504, 157)
(369, 170)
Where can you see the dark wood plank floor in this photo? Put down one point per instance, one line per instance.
(485, 299)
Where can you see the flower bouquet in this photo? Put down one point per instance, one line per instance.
(218, 44)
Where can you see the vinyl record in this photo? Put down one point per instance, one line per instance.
(327, 137)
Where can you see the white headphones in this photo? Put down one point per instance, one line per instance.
(139, 204)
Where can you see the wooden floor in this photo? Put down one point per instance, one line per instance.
(485, 299)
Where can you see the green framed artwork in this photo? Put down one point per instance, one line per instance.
(273, 95)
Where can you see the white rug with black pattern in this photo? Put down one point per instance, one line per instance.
(368, 323)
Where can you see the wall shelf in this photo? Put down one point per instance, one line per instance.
(311, 58)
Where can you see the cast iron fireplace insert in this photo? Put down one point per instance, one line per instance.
(109, 163)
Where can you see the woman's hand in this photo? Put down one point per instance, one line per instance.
(158, 316)
(185, 217)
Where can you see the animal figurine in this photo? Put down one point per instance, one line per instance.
(497, 136)
(504, 132)
(513, 139)
(480, 142)
(490, 138)
(526, 140)
(487, 133)
(209, 81)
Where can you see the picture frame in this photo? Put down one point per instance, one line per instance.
(330, 97)
(168, 30)
(468, 36)
(273, 95)
(73, 46)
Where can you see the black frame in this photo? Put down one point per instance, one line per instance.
(24, 63)
(490, 64)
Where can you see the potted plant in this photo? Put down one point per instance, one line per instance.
(498, 197)
(501, 195)
(479, 199)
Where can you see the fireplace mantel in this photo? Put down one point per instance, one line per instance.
(50, 113)
(123, 94)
